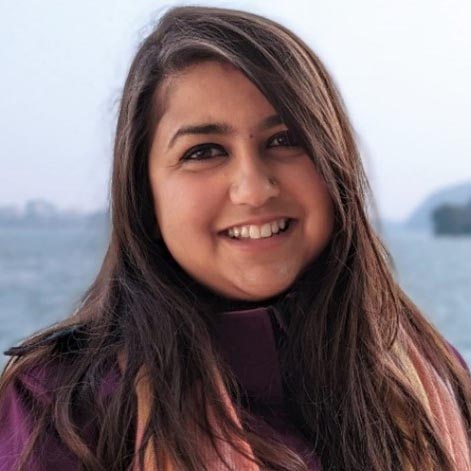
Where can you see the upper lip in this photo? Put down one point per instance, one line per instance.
(256, 221)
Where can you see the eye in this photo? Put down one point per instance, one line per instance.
(285, 139)
(203, 152)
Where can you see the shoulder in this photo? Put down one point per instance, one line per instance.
(31, 391)
(25, 404)
(34, 366)
(42, 375)
(23, 395)
(63, 348)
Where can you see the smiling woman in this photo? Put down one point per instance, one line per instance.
(236, 168)
(245, 316)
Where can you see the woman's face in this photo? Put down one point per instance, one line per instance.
(214, 150)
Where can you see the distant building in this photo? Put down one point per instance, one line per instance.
(40, 209)
(42, 214)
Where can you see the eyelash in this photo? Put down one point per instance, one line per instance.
(204, 147)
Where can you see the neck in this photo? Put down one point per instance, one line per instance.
(221, 303)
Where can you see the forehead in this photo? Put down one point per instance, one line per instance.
(210, 91)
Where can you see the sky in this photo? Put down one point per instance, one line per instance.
(402, 67)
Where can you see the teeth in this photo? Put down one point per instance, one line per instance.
(265, 231)
(253, 231)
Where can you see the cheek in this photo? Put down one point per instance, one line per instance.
(322, 222)
(185, 205)
(318, 205)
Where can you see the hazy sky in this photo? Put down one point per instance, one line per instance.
(403, 67)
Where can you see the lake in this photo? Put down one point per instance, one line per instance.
(43, 272)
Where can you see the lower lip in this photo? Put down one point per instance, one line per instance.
(264, 242)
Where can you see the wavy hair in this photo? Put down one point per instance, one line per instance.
(351, 385)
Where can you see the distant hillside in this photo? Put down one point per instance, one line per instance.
(451, 219)
(421, 217)
(42, 214)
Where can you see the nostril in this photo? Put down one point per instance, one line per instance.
(254, 190)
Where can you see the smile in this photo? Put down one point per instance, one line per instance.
(262, 231)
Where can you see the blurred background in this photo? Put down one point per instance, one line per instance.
(403, 68)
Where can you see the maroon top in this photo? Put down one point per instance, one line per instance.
(248, 339)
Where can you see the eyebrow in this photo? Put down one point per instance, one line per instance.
(220, 128)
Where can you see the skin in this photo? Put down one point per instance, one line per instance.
(195, 199)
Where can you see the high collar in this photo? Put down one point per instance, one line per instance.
(250, 340)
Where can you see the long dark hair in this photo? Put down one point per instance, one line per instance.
(347, 323)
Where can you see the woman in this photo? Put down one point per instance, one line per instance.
(245, 316)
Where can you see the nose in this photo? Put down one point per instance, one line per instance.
(252, 184)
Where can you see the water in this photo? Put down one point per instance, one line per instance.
(43, 272)
(436, 274)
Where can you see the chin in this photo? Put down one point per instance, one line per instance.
(260, 293)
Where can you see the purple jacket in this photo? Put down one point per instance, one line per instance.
(248, 340)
